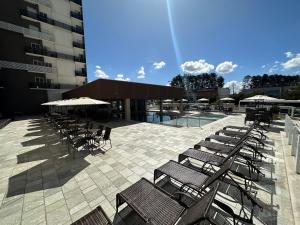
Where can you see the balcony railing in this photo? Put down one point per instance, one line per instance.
(78, 2)
(81, 73)
(78, 44)
(43, 68)
(44, 85)
(78, 30)
(46, 52)
(79, 59)
(41, 2)
(44, 18)
(26, 31)
(76, 15)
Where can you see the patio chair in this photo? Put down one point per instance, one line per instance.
(156, 207)
(234, 141)
(210, 159)
(199, 181)
(95, 217)
(226, 149)
(105, 137)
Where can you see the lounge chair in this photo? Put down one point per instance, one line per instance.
(211, 159)
(95, 217)
(156, 207)
(199, 181)
(226, 149)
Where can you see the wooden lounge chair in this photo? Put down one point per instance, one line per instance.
(156, 207)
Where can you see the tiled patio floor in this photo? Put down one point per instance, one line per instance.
(41, 184)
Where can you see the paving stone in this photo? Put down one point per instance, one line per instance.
(50, 180)
(53, 198)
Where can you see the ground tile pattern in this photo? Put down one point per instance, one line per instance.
(40, 183)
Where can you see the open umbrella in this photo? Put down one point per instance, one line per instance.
(183, 100)
(203, 100)
(81, 101)
(52, 103)
(263, 98)
(226, 99)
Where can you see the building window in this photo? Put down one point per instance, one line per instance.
(32, 10)
(39, 80)
(35, 28)
(35, 45)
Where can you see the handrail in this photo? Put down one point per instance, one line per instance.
(292, 131)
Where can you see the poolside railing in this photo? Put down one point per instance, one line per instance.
(292, 131)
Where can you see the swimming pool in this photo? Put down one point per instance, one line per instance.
(184, 121)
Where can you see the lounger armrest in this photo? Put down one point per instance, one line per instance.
(178, 197)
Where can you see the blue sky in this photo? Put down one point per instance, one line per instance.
(124, 38)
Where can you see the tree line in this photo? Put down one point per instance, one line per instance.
(197, 82)
(265, 80)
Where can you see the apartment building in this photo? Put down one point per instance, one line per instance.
(42, 52)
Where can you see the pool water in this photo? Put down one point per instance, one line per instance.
(185, 121)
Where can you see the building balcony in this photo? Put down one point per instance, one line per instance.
(76, 15)
(45, 52)
(40, 2)
(40, 85)
(45, 85)
(26, 32)
(44, 18)
(80, 59)
(77, 30)
(41, 68)
(78, 44)
(81, 73)
(78, 2)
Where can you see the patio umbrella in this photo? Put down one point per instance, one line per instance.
(263, 98)
(183, 100)
(52, 103)
(226, 99)
(84, 101)
(168, 100)
(203, 100)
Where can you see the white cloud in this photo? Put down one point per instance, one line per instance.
(159, 65)
(168, 84)
(226, 67)
(292, 63)
(263, 66)
(121, 77)
(141, 73)
(273, 68)
(289, 54)
(234, 86)
(99, 73)
(197, 67)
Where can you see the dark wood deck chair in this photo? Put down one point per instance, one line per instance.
(95, 217)
(157, 207)
(199, 181)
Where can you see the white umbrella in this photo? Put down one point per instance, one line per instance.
(82, 101)
(183, 100)
(264, 98)
(51, 103)
(168, 100)
(203, 100)
(227, 99)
